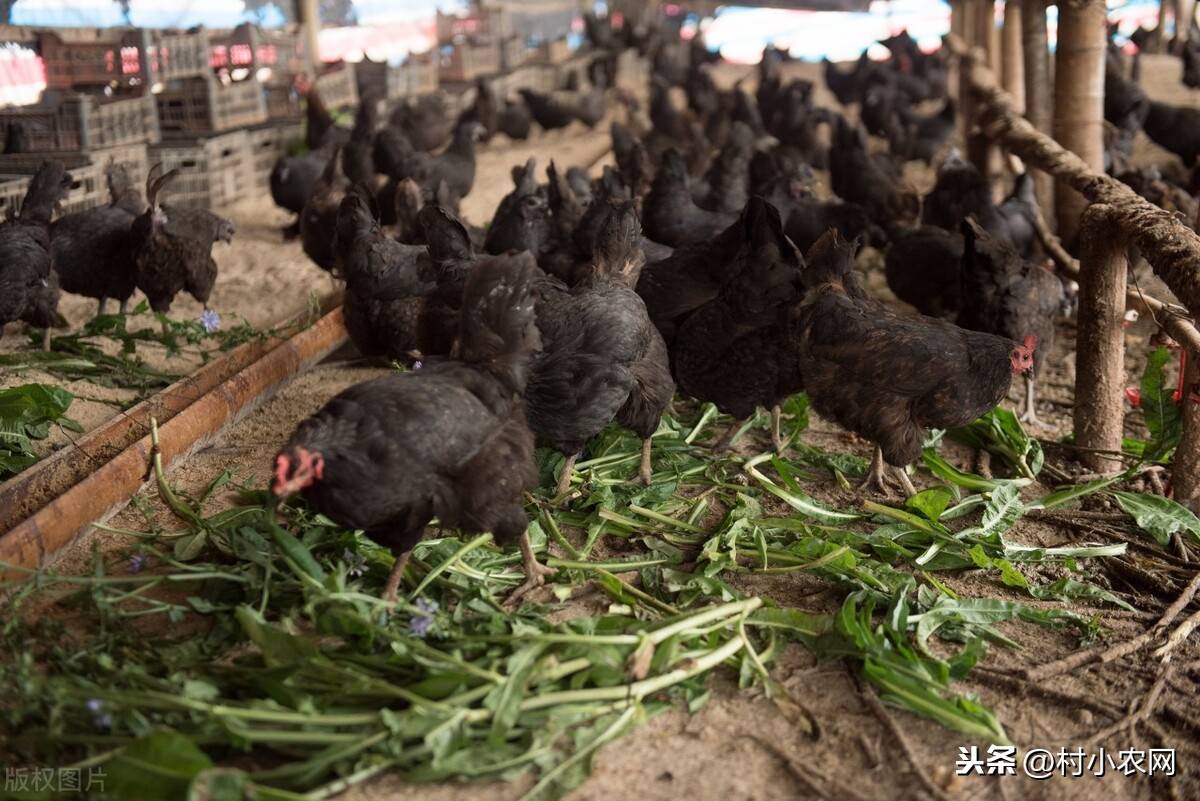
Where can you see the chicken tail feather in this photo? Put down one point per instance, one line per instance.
(498, 322)
(47, 188)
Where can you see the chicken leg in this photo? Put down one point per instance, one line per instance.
(877, 476)
(535, 572)
(645, 470)
(391, 589)
(776, 437)
(1030, 413)
(101, 305)
(46, 339)
(564, 478)
(726, 439)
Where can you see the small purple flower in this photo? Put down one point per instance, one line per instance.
(210, 320)
(137, 562)
(417, 364)
(418, 625)
(356, 563)
(100, 719)
(427, 606)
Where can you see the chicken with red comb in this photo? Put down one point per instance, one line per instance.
(889, 376)
(449, 440)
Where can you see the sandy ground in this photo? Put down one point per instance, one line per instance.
(740, 746)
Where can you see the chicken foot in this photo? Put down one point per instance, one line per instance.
(535, 572)
(645, 470)
(391, 589)
(878, 475)
(564, 478)
(1029, 415)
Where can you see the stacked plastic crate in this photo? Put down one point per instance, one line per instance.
(204, 107)
(97, 110)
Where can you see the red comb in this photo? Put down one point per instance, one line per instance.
(282, 463)
(1030, 342)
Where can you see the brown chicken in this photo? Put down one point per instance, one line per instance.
(449, 440)
(888, 376)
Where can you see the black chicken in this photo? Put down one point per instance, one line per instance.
(734, 350)
(522, 220)
(318, 220)
(888, 376)
(514, 120)
(1011, 297)
(166, 264)
(669, 214)
(601, 359)
(870, 180)
(93, 249)
(28, 286)
(448, 441)
(923, 266)
(358, 156)
(292, 181)
(426, 121)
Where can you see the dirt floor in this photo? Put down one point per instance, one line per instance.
(740, 746)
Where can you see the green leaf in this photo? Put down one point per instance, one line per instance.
(1158, 516)
(931, 502)
(1067, 588)
(1002, 510)
(505, 700)
(1159, 410)
(948, 472)
(158, 767)
(1067, 494)
(220, 784)
(277, 646)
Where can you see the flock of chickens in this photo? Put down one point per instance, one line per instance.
(701, 263)
(105, 252)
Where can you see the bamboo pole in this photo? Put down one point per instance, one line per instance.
(979, 150)
(1100, 340)
(1039, 90)
(1171, 248)
(1079, 93)
(33, 541)
(1012, 62)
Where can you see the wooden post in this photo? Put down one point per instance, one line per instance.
(1039, 91)
(308, 12)
(1012, 62)
(1183, 22)
(1100, 340)
(1185, 472)
(980, 151)
(1079, 93)
(965, 106)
